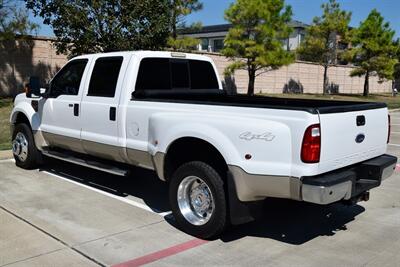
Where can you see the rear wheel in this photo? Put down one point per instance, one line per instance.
(24, 150)
(197, 199)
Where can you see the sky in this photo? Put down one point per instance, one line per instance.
(303, 10)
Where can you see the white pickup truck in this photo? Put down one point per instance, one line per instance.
(219, 153)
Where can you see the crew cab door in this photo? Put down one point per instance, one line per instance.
(100, 113)
(60, 114)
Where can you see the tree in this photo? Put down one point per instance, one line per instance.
(179, 10)
(182, 43)
(82, 26)
(14, 21)
(254, 42)
(321, 41)
(374, 51)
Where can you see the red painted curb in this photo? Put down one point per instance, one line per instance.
(162, 253)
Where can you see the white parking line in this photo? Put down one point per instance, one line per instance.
(394, 145)
(394, 132)
(7, 160)
(125, 200)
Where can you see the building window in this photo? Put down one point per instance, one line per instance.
(218, 45)
(204, 44)
(301, 37)
(343, 46)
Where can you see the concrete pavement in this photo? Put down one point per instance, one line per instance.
(66, 215)
(5, 154)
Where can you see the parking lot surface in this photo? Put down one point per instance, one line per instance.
(66, 215)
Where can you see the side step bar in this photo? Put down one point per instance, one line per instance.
(86, 163)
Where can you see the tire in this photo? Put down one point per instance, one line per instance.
(194, 181)
(25, 152)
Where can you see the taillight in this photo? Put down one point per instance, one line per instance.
(311, 146)
(388, 138)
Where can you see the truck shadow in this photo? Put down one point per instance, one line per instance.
(296, 222)
(142, 183)
(286, 221)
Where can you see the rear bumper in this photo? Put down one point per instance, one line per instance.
(342, 184)
(349, 182)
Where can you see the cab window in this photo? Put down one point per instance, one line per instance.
(103, 82)
(68, 80)
(167, 74)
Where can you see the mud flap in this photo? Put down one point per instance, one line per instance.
(241, 212)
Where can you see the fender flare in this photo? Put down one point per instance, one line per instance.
(28, 111)
(214, 137)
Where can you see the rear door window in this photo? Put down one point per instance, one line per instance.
(103, 82)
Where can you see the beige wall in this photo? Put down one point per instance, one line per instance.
(37, 57)
(309, 75)
(24, 58)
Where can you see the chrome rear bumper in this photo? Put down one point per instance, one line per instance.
(344, 184)
(349, 183)
(326, 194)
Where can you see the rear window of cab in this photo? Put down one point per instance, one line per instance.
(170, 73)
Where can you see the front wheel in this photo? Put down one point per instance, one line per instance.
(197, 198)
(25, 152)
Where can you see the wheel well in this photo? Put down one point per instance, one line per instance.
(188, 149)
(21, 118)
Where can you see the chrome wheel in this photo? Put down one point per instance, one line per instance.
(20, 147)
(195, 200)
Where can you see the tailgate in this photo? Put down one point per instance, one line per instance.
(351, 137)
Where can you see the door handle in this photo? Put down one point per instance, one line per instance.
(70, 105)
(113, 114)
(76, 110)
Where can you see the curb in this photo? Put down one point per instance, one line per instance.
(6, 154)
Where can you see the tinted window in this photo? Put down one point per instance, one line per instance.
(154, 73)
(164, 73)
(218, 45)
(180, 74)
(202, 75)
(105, 76)
(68, 80)
(204, 44)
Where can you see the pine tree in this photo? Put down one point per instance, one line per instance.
(320, 44)
(179, 10)
(254, 43)
(374, 51)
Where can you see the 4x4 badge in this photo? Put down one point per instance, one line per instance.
(248, 136)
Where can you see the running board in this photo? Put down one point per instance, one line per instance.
(87, 163)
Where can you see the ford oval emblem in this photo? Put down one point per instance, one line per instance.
(360, 138)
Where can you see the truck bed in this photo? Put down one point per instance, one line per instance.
(219, 97)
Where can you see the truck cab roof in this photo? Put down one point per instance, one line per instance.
(148, 53)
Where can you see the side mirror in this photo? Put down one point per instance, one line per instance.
(33, 87)
(44, 90)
